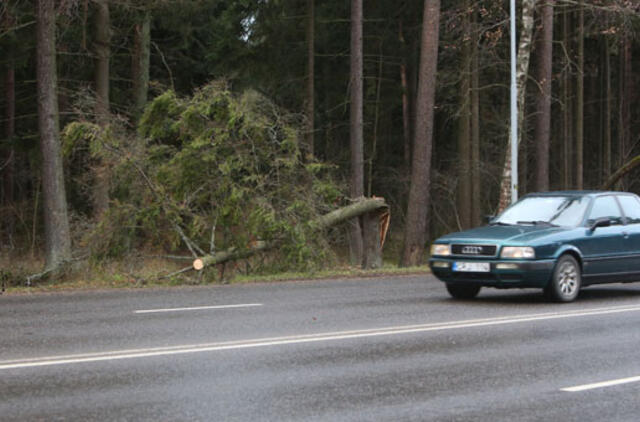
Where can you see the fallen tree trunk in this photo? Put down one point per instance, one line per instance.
(620, 173)
(231, 255)
(356, 209)
(362, 207)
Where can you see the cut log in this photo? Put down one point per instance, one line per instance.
(376, 206)
(231, 255)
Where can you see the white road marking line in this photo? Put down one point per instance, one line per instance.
(197, 308)
(603, 384)
(310, 338)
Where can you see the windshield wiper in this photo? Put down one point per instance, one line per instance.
(538, 223)
(499, 223)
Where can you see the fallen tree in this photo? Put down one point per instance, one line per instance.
(620, 173)
(377, 217)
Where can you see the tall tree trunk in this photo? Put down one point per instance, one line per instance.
(543, 116)
(464, 128)
(415, 236)
(356, 127)
(56, 221)
(102, 52)
(579, 119)
(406, 95)
(524, 52)
(607, 111)
(626, 99)
(310, 100)
(476, 217)
(140, 65)
(7, 157)
(567, 109)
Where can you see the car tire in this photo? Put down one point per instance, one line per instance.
(566, 280)
(463, 291)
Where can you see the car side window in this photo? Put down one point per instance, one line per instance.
(605, 207)
(631, 208)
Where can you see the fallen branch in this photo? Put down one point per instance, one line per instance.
(331, 219)
(621, 172)
(54, 270)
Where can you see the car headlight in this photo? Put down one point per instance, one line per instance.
(440, 250)
(518, 252)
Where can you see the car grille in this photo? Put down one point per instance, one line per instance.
(473, 250)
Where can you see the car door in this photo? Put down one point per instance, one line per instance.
(605, 253)
(631, 209)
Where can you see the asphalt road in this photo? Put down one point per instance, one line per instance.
(387, 349)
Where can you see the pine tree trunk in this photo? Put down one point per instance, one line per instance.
(522, 72)
(476, 184)
(567, 100)
(579, 119)
(607, 111)
(102, 52)
(406, 95)
(310, 100)
(7, 157)
(464, 128)
(140, 63)
(626, 99)
(8, 161)
(356, 128)
(56, 222)
(543, 116)
(415, 236)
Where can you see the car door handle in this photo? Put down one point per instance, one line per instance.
(625, 235)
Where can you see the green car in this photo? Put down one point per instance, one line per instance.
(556, 241)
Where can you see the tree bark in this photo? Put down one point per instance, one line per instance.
(406, 95)
(102, 52)
(579, 119)
(7, 160)
(476, 186)
(310, 101)
(140, 65)
(626, 100)
(567, 99)
(543, 115)
(415, 236)
(607, 111)
(356, 127)
(56, 221)
(464, 127)
(522, 72)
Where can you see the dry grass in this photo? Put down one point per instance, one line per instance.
(146, 271)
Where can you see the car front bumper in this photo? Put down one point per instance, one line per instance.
(502, 274)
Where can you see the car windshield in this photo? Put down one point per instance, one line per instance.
(545, 210)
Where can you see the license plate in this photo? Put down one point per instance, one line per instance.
(472, 267)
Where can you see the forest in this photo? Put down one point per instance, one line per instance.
(237, 131)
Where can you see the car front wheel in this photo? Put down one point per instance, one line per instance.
(566, 281)
(463, 291)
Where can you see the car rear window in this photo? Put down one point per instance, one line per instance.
(631, 208)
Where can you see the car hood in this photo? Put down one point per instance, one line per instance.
(511, 234)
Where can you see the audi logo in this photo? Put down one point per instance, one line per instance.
(472, 250)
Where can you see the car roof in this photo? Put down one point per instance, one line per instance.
(578, 193)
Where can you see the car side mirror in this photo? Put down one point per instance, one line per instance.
(600, 222)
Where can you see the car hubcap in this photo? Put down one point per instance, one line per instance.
(568, 279)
